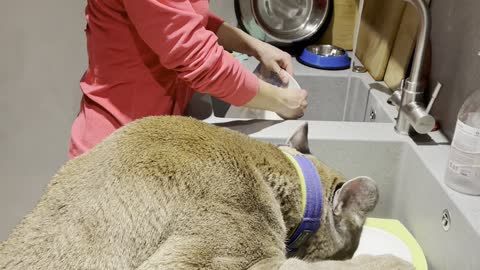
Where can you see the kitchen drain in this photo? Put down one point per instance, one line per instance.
(446, 221)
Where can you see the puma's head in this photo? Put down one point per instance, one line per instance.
(345, 208)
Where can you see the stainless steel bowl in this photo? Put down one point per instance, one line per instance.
(326, 50)
(283, 21)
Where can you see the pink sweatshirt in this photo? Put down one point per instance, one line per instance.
(145, 58)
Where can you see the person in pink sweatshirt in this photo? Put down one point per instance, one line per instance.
(146, 57)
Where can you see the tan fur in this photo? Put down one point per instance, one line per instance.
(169, 193)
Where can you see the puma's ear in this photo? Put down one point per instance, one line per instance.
(357, 196)
(299, 139)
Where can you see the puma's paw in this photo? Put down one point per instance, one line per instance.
(382, 262)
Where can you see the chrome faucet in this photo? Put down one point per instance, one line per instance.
(412, 115)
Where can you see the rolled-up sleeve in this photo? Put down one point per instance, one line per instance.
(175, 32)
(214, 22)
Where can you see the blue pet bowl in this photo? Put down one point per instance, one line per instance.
(325, 57)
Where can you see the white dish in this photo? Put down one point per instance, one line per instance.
(378, 242)
(292, 83)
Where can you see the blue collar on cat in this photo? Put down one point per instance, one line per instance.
(312, 201)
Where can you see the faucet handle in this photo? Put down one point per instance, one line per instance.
(396, 96)
(420, 120)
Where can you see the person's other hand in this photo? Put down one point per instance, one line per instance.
(274, 60)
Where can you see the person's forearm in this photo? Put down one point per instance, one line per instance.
(234, 39)
(267, 98)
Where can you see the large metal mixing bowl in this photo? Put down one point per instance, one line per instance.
(283, 22)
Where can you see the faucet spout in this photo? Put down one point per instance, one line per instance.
(422, 38)
(412, 115)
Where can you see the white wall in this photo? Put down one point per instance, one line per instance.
(42, 58)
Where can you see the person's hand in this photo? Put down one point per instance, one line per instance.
(274, 60)
(294, 103)
(287, 103)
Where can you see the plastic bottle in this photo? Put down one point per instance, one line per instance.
(463, 170)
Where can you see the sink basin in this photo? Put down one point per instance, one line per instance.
(328, 100)
(409, 193)
(409, 177)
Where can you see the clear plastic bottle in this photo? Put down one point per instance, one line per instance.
(463, 171)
